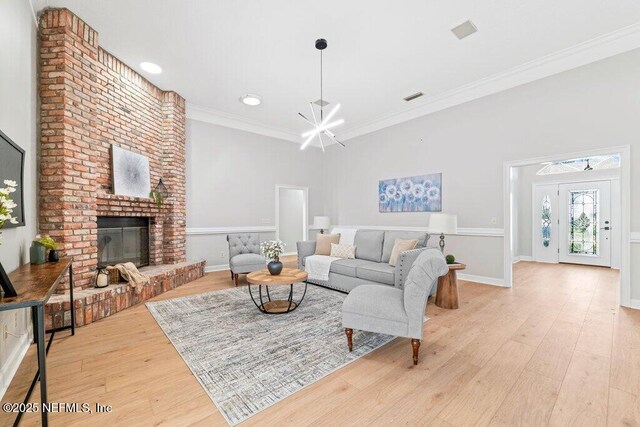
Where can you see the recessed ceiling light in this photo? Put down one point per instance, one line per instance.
(464, 30)
(251, 100)
(150, 67)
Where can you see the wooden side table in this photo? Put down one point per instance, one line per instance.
(447, 293)
(34, 285)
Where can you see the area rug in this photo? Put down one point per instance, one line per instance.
(246, 360)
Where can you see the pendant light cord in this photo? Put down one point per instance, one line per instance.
(321, 97)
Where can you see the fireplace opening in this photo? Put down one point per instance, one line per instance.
(123, 239)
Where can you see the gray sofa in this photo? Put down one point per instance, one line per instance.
(371, 264)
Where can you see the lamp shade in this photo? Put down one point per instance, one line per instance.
(443, 223)
(321, 222)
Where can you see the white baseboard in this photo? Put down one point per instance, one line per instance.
(212, 268)
(634, 303)
(522, 258)
(9, 369)
(494, 281)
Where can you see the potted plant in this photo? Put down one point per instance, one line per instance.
(37, 252)
(272, 249)
(48, 242)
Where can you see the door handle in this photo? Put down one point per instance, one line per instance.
(605, 228)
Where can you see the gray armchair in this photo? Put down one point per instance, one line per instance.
(244, 254)
(395, 311)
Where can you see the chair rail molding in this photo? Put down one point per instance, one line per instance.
(462, 231)
(211, 231)
(634, 237)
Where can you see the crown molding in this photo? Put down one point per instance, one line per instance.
(233, 121)
(601, 47)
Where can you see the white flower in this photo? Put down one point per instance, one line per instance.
(406, 186)
(391, 191)
(433, 193)
(13, 221)
(272, 248)
(10, 183)
(418, 190)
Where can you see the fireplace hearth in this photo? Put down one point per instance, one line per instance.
(123, 239)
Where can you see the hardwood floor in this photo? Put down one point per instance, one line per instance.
(554, 349)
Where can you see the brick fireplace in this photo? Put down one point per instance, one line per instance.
(90, 100)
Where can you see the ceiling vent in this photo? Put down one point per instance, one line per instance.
(321, 102)
(464, 30)
(414, 96)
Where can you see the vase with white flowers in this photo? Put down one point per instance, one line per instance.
(7, 204)
(272, 249)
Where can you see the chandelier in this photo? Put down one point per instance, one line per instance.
(324, 124)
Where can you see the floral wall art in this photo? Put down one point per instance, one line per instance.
(421, 193)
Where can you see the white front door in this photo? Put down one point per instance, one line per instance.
(585, 223)
(545, 223)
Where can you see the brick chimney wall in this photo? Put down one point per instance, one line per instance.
(90, 100)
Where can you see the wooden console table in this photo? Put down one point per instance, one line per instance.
(35, 284)
(447, 293)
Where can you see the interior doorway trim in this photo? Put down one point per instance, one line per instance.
(305, 212)
(625, 211)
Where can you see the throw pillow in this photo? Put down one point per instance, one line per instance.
(324, 241)
(399, 247)
(343, 251)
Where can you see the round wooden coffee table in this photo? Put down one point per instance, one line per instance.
(288, 277)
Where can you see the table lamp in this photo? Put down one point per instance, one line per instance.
(444, 224)
(321, 223)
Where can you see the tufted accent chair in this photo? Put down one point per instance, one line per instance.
(244, 254)
(395, 311)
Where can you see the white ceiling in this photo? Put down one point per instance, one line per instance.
(212, 52)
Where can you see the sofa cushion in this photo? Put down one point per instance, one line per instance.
(369, 245)
(247, 263)
(343, 251)
(347, 267)
(399, 247)
(324, 241)
(391, 236)
(380, 272)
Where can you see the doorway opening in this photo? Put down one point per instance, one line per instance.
(291, 215)
(571, 209)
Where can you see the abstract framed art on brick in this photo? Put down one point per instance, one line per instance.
(422, 193)
(131, 175)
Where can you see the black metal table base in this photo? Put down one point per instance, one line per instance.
(39, 338)
(268, 306)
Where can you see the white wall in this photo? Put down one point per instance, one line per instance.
(231, 179)
(18, 121)
(590, 107)
(291, 222)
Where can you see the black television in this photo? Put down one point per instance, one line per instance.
(12, 168)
